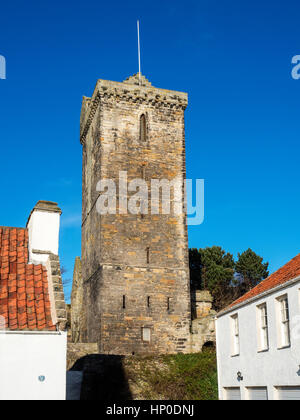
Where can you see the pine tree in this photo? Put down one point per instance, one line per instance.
(251, 269)
(213, 269)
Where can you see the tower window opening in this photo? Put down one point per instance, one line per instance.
(143, 172)
(124, 302)
(146, 334)
(143, 203)
(148, 301)
(148, 255)
(168, 303)
(143, 128)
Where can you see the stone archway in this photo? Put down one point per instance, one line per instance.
(209, 346)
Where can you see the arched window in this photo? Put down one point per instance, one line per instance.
(143, 128)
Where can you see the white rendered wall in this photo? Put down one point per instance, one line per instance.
(273, 368)
(43, 229)
(25, 357)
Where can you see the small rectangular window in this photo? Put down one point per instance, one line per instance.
(148, 255)
(284, 321)
(263, 335)
(235, 335)
(124, 301)
(148, 301)
(146, 334)
(168, 304)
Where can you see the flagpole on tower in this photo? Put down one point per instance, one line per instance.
(139, 49)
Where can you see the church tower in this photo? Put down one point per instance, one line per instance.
(134, 266)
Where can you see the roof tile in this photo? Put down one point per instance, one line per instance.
(24, 296)
(288, 272)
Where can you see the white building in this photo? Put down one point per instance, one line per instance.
(258, 340)
(33, 340)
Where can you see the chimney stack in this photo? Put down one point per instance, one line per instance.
(43, 228)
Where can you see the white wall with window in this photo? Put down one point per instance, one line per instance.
(258, 346)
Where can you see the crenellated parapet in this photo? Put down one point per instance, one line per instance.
(133, 90)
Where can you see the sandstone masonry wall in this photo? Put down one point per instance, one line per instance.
(134, 268)
(203, 329)
(78, 310)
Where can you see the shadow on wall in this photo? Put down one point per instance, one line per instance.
(193, 303)
(103, 378)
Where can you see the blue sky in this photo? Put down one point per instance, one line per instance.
(242, 123)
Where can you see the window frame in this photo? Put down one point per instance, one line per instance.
(143, 336)
(284, 328)
(263, 327)
(235, 335)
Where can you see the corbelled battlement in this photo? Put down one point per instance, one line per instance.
(133, 90)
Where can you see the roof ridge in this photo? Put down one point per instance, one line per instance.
(13, 227)
(260, 286)
(279, 269)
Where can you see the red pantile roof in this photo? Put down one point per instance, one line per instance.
(286, 273)
(24, 294)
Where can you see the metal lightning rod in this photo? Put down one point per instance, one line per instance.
(139, 50)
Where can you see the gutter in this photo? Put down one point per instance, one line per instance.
(9, 332)
(258, 297)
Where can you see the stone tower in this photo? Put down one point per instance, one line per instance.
(136, 295)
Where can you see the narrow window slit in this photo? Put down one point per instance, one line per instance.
(143, 172)
(143, 128)
(144, 209)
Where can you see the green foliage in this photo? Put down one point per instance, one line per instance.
(251, 269)
(177, 377)
(217, 268)
(214, 269)
(197, 375)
